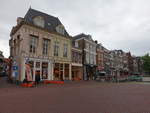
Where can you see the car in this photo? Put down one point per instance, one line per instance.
(135, 78)
(2, 73)
(99, 74)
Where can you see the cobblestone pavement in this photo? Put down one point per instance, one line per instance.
(77, 97)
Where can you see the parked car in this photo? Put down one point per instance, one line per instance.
(99, 74)
(2, 74)
(135, 78)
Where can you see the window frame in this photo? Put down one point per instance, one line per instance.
(65, 51)
(46, 43)
(33, 44)
(56, 48)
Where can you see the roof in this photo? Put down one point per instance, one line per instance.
(81, 35)
(1, 54)
(51, 22)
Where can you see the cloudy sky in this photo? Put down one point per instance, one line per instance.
(117, 24)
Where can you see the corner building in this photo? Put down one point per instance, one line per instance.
(41, 41)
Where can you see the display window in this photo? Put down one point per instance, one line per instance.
(44, 70)
(66, 70)
(37, 64)
(31, 64)
(56, 71)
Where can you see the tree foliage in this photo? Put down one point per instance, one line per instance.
(146, 63)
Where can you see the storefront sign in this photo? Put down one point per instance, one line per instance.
(15, 70)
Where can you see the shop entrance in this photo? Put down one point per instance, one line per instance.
(77, 73)
(40, 68)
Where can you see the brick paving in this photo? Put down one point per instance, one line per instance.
(77, 97)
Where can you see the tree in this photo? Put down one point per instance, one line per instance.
(146, 63)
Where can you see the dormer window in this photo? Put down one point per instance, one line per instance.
(39, 21)
(60, 29)
(76, 44)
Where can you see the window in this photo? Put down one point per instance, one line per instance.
(91, 59)
(39, 21)
(80, 58)
(44, 70)
(90, 48)
(33, 44)
(60, 29)
(76, 57)
(87, 46)
(87, 58)
(18, 43)
(56, 48)
(15, 46)
(37, 64)
(18, 37)
(45, 46)
(76, 44)
(65, 50)
(31, 66)
(93, 49)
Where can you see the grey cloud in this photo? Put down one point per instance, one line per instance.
(117, 24)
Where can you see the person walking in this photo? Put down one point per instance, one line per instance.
(37, 78)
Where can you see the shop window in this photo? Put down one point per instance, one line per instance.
(37, 64)
(56, 71)
(61, 67)
(61, 72)
(31, 63)
(44, 70)
(67, 71)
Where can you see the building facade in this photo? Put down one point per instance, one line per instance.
(130, 63)
(107, 63)
(1, 63)
(1, 55)
(100, 57)
(40, 41)
(77, 66)
(40, 45)
(88, 46)
(120, 64)
(137, 65)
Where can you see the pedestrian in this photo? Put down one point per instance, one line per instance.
(37, 78)
(25, 79)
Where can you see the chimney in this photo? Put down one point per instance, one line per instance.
(96, 41)
(19, 20)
